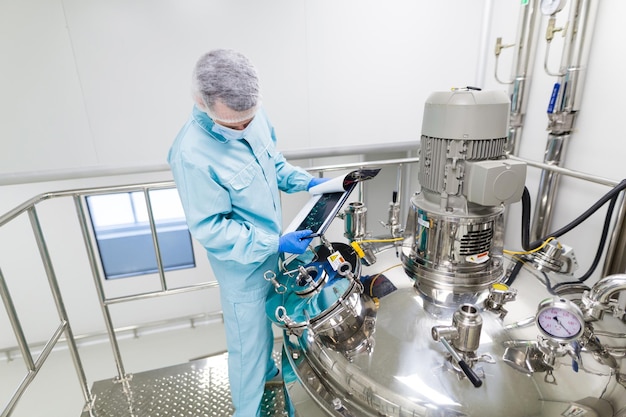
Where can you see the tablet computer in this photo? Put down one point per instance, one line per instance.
(319, 212)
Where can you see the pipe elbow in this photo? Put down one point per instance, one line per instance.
(596, 300)
(604, 289)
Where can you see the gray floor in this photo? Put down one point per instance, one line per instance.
(56, 392)
(197, 388)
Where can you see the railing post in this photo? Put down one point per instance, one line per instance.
(58, 300)
(95, 272)
(21, 340)
(155, 239)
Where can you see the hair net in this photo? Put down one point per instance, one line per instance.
(229, 77)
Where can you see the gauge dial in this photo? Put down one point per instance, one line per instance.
(550, 7)
(560, 319)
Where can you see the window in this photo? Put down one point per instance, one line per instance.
(122, 231)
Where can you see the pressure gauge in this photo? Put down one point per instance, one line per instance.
(550, 7)
(560, 319)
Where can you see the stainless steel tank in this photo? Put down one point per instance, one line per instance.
(392, 366)
(436, 331)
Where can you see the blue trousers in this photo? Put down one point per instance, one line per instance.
(250, 341)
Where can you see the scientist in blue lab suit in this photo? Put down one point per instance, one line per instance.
(229, 174)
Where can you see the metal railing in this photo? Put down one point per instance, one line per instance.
(64, 329)
(96, 269)
(33, 367)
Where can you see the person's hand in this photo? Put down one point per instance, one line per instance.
(294, 242)
(316, 181)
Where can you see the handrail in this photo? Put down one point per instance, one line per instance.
(188, 321)
(107, 171)
(568, 172)
(22, 208)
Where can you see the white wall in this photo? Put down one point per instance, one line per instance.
(597, 146)
(92, 83)
(105, 84)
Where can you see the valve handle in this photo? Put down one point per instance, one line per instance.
(467, 370)
(471, 375)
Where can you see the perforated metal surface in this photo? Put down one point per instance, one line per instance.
(195, 389)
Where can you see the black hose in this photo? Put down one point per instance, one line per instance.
(596, 260)
(576, 222)
(526, 203)
(526, 207)
(510, 279)
(548, 284)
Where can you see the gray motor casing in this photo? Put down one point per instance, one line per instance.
(454, 235)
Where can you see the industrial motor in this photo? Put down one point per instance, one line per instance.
(454, 234)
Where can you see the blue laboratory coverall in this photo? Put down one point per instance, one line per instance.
(230, 193)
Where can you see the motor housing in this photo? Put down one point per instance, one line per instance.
(454, 234)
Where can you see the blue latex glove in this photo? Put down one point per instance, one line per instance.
(316, 181)
(294, 242)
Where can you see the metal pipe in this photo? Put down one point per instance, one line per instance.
(597, 300)
(604, 289)
(155, 239)
(526, 42)
(11, 214)
(92, 172)
(32, 373)
(615, 261)
(568, 172)
(58, 300)
(407, 189)
(575, 65)
(22, 208)
(155, 294)
(563, 109)
(337, 167)
(15, 323)
(548, 185)
(190, 321)
(97, 277)
(484, 43)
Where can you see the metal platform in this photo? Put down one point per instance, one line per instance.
(198, 388)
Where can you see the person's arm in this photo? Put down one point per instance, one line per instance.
(207, 207)
(290, 178)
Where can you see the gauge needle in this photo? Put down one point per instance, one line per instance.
(559, 323)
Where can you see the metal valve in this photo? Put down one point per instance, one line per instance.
(499, 294)
(464, 334)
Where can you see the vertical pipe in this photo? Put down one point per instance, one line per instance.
(407, 188)
(526, 42)
(97, 277)
(548, 184)
(58, 300)
(615, 261)
(484, 41)
(562, 114)
(400, 187)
